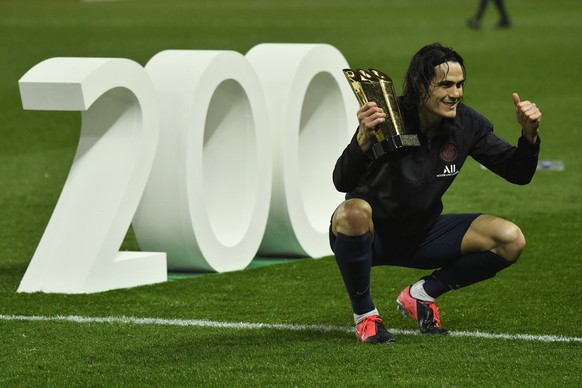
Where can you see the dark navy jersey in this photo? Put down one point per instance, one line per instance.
(405, 188)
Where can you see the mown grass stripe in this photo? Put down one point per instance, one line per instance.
(278, 326)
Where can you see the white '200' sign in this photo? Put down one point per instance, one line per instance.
(212, 156)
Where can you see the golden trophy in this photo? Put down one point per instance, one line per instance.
(373, 85)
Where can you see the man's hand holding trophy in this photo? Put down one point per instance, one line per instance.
(374, 85)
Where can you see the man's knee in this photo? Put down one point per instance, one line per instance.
(489, 233)
(513, 241)
(353, 218)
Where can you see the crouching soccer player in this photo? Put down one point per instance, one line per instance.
(392, 212)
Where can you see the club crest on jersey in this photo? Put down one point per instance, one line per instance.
(448, 152)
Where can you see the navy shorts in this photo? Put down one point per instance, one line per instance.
(440, 246)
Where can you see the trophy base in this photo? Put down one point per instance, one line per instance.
(393, 143)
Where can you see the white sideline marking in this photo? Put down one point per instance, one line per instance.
(282, 326)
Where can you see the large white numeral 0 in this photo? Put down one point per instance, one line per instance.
(78, 252)
(312, 113)
(206, 202)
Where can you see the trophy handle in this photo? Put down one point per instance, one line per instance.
(354, 81)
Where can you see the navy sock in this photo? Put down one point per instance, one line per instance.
(353, 255)
(468, 269)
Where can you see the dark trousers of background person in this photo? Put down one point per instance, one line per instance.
(504, 21)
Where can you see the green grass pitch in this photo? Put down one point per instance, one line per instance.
(539, 57)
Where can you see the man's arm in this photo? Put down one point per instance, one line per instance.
(515, 164)
(351, 165)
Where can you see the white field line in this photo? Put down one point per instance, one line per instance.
(282, 326)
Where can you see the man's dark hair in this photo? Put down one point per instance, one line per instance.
(422, 71)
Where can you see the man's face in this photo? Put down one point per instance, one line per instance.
(445, 92)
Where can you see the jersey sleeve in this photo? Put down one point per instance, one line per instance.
(517, 164)
(350, 167)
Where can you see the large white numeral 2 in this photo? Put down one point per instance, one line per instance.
(78, 252)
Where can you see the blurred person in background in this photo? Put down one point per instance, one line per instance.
(392, 213)
(503, 22)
